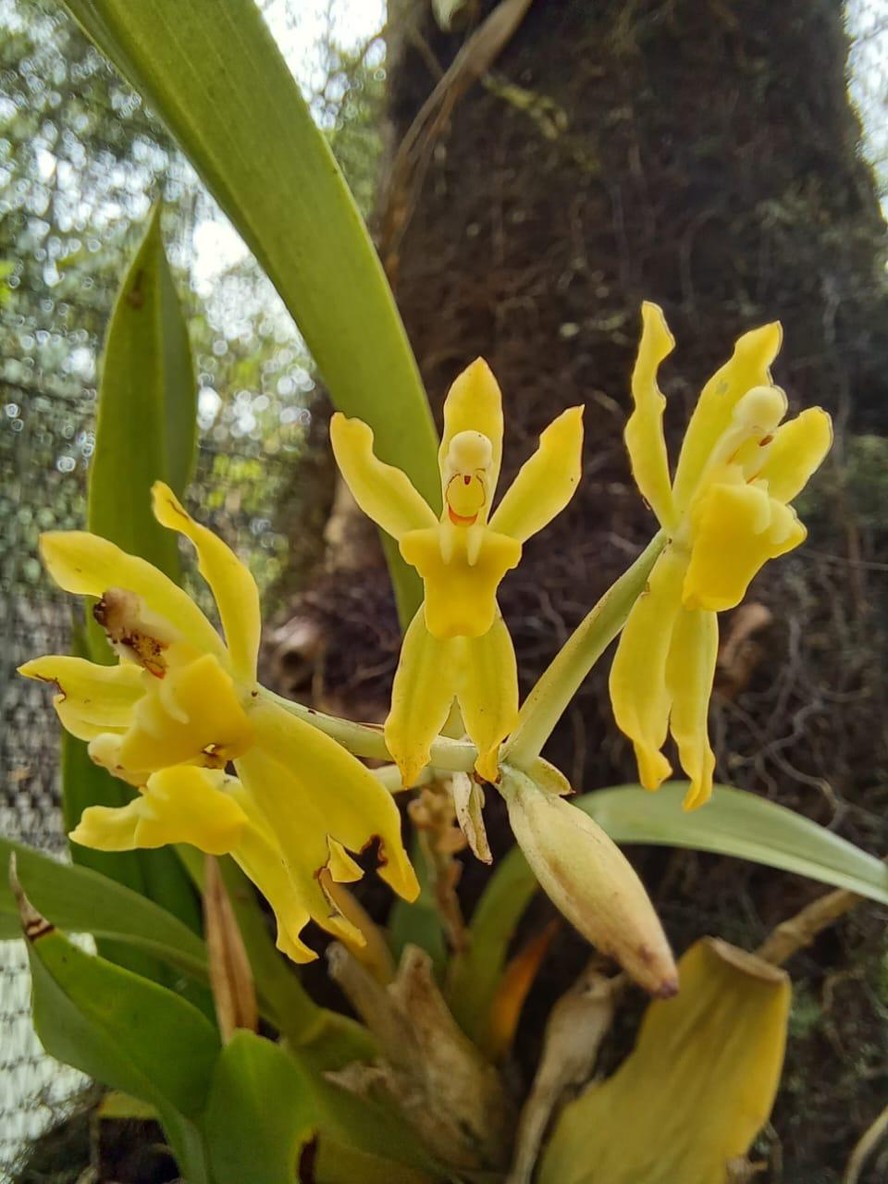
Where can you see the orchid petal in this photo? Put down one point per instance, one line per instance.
(736, 529)
(104, 750)
(460, 595)
(92, 699)
(640, 696)
(87, 565)
(191, 715)
(644, 430)
(487, 692)
(546, 482)
(178, 805)
(690, 670)
(474, 403)
(230, 581)
(288, 876)
(348, 803)
(343, 869)
(748, 367)
(112, 828)
(422, 695)
(796, 452)
(383, 492)
(263, 862)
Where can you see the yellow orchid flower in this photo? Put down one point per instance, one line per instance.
(457, 645)
(725, 514)
(182, 704)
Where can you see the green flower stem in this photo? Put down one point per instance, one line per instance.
(549, 699)
(455, 756)
(448, 756)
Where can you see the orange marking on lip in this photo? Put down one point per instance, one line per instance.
(459, 519)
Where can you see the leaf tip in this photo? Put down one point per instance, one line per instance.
(34, 924)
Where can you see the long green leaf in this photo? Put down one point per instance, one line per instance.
(145, 431)
(147, 418)
(260, 1113)
(738, 823)
(125, 1031)
(475, 974)
(418, 922)
(734, 822)
(80, 900)
(213, 73)
(266, 1104)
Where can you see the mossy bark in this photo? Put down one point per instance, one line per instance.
(703, 155)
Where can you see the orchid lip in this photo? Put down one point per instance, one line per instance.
(460, 519)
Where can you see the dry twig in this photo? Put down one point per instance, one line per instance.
(865, 1146)
(578, 1023)
(472, 62)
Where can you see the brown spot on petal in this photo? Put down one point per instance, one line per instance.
(215, 756)
(149, 653)
(173, 505)
(382, 858)
(135, 297)
(119, 614)
(52, 682)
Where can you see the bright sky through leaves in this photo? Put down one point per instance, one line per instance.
(299, 29)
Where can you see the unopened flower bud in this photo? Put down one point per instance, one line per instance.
(591, 882)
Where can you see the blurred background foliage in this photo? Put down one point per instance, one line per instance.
(81, 162)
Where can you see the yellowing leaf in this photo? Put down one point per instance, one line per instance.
(696, 1089)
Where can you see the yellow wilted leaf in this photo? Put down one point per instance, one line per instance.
(696, 1089)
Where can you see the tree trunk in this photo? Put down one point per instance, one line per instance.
(704, 156)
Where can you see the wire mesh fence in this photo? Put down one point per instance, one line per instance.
(80, 163)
